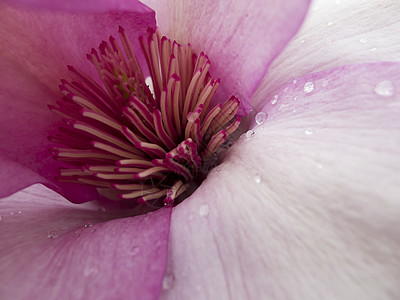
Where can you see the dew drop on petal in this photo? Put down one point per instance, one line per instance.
(294, 81)
(204, 210)
(274, 99)
(88, 224)
(324, 83)
(53, 235)
(309, 131)
(330, 23)
(308, 87)
(250, 133)
(261, 117)
(384, 88)
(363, 40)
(257, 178)
(168, 281)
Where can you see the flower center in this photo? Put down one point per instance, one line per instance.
(147, 146)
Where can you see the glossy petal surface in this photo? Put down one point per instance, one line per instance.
(241, 38)
(36, 47)
(308, 206)
(52, 249)
(337, 33)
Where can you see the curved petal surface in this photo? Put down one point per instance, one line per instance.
(307, 207)
(240, 38)
(52, 249)
(88, 5)
(36, 46)
(337, 33)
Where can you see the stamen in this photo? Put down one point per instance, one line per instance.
(147, 147)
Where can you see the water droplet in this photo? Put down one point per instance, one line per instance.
(285, 90)
(308, 87)
(134, 250)
(261, 117)
(204, 210)
(20, 212)
(295, 98)
(53, 235)
(250, 133)
(309, 131)
(384, 88)
(274, 99)
(191, 117)
(168, 281)
(302, 41)
(330, 23)
(363, 40)
(257, 178)
(373, 49)
(294, 81)
(325, 83)
(88, 224)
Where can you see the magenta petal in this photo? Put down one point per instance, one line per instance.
(52, 249)
(241, 38)
(35, 48)
(307, 207)
(77, 5)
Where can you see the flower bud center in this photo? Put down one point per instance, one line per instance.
(149, 146)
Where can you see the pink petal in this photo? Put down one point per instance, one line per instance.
(308, 207)
(88, 5)
(337, 33)
(241, 38)
(52, 249)
(35, 48)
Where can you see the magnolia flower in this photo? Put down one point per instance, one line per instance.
(303, 206)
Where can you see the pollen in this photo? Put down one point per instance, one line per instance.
(147, 145)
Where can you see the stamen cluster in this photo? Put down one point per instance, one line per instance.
(147, 145)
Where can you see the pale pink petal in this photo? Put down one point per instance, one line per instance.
(241, 38)
(35, 48)
(337, 33)
(307, 207)
(52, 249)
